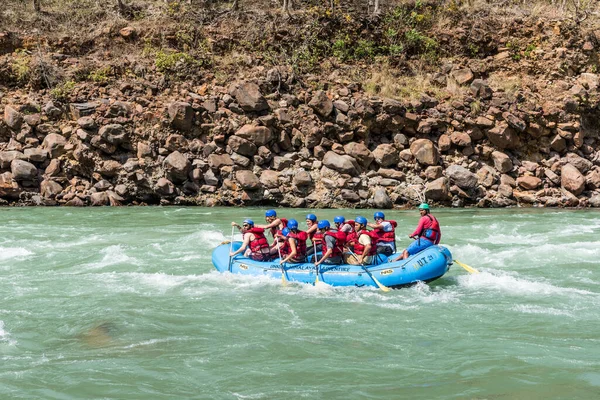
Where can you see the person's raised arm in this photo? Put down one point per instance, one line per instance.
(273, 224)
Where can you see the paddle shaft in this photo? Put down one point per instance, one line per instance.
(282, 265)
(379, 284)
(230, 248)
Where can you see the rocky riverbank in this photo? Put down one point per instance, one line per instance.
(506, 128)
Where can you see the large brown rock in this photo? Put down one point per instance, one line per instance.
(259, 135)
(437, 190)
(181, 115)
(164, 187)
(503, 136)
(36, 155)
(217, 161)
(177, 166)
(23, 170)
(269, 178)
(247, 180)
(341, 163)
(6, 157)
(592, 179)
(360, 152)
(13, 118)
(242, 146)
(381, 200)
(54, 144)
(424, 151)
(386, 155)
(502, 162)
(50, 189)
(249, 97)
(302, 179)
(486, 176)
(9, 188)
(321, 103)
(462, 76)
(529, 182)
(99, 199)
(461, 139)
(114, 134)
(462, 177)
(571, 179)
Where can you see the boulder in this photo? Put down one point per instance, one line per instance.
(321, 103)
(502, 162)
(144, 150)
(592, 179)
(350, 195)
(461, 139)
(381, 199)
(386, 155)
(99, 199)
(301, 179)
(360, 152)
(341, 163)
(181, 115)
(424, 151)
(462, 177)
(242, 146)
(78, 110)
(6, 157)
(515, 122)
(571, 179)
(54, 144)
(13, 118)
(177, 167)
(176, 142)
(503, 136)
(247, 180)
(114, 134)
(110, 168)
(164, 187)
(437, 190)
(8, 186)
(249, 97)
(486, 176)
(217, 161)
(87, 123)
(269, 178)
(50, 189)
(480, 88)
(529, 182)
(462, 76)
(578, 162)
(23, 170)
(259, 135)
(36, 155)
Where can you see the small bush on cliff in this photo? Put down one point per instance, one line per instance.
(63, 91)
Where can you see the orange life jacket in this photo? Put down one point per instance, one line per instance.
(386, 236)
(260, 241)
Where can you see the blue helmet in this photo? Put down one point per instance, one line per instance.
(249, 222)
(323, 224)
(339, 219)
(285, 232)
(292, 224)
(378, 214)
(270, 213)
(361, 220)
(311, 217)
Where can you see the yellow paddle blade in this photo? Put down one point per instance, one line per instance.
(470, 270)
(382, 287)
(225, 242)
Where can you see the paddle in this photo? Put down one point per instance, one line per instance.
(316, 266)
(379, 284)
(230, 248)
(470, 270)
(283, 280)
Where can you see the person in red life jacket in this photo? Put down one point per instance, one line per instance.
(386, 234)
(427, 233)
(365, 245)
(274, 223)
(342, 225)
(255, 243)
(311, 223)
(295, 243)
(333, 242)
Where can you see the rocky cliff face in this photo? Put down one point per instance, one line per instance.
(517, 128)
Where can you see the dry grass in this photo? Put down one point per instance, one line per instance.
(387, 82)
(509, 84)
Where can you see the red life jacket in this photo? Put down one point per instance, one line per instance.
(360, 248)
(351, 239)
(301, 238)
(340, 239)
(276, 229)
(260, 241)
(317, 238)
(386, 236)
(433, 232)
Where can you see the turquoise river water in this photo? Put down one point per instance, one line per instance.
(124, 303)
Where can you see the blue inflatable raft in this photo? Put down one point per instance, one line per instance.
(426, 266)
